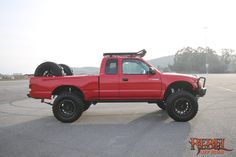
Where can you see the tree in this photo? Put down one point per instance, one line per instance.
(189, 60)
(228, 57)
(232, 65)
(182, 60)
(215, 64)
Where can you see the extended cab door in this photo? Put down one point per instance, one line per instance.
(136, 83)
(109, 79)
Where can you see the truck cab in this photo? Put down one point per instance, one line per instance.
(126, 78)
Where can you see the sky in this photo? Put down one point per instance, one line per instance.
(78, 32)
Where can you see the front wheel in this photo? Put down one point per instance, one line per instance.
(162, 105)
(182, 106)
(67, 107)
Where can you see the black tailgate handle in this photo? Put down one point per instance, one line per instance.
(125, 79)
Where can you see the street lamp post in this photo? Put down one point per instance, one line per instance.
(206, 65)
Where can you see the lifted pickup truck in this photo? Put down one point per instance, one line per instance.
(124, 77)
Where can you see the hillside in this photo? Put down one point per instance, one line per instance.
(162, 62)
(85, 70)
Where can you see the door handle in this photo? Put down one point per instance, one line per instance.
(125, 79)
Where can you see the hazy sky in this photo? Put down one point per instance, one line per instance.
(77, 33)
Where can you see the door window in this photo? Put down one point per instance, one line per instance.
(133, 66)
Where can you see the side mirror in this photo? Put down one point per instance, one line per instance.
(151, 71)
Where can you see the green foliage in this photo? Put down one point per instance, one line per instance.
(229, 58)
(232, 64)
(190, 60)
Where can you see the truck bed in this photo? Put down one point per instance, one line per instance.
(43, 87)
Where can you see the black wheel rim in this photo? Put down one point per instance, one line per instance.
(182, 107)
(67, 108)
(47, 72)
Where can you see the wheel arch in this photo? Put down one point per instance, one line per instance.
(184, 85)
(68, 88)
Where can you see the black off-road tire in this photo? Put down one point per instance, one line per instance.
(87, 105)
(48, 69)
(65, 102)
(182, 106)
(162, 105)
(67, 70)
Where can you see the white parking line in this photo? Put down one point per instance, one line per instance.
(227, 89)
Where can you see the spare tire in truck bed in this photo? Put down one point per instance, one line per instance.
(67, 70)
(48, 69)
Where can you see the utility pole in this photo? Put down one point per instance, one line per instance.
(206, 65)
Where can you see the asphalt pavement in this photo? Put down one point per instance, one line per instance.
(28, 128)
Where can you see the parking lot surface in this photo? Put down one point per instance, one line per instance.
(28, 128)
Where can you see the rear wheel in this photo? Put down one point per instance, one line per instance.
(182, 106)
(67, 107)
(87, 105)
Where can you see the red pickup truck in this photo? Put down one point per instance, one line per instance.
(124, 77)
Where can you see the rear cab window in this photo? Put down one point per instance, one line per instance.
(111, 67)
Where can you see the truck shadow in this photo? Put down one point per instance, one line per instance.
(153, 134)
(160, 135)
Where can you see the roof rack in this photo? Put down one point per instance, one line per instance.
(130, 54)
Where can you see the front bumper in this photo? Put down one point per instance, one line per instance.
(201, 90)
